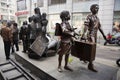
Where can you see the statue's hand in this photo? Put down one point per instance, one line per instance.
(82, 38)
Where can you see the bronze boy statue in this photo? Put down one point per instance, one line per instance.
(66, 38)
(92, 24)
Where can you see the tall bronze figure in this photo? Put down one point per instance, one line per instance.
(66, 40)
(35, 27)
(41, 43)
(92, 24)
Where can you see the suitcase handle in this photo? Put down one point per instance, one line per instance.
(81, 39)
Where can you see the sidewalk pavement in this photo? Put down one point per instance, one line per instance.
(77, 70)
(111, 47)
(118, 75)
(116, 48)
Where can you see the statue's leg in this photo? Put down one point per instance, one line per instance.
(59, 62)
(90, 65)
(61, 53)
(68, 47)
(66, 63)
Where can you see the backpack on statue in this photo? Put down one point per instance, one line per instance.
(58, 30)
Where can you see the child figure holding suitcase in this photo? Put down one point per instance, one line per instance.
(92, 25)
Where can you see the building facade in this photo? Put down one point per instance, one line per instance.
(109, 11)
(25, 9)
(7, 10)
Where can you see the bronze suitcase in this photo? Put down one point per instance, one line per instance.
(38, 46)
(84, 51)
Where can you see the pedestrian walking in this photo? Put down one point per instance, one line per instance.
(15, 33)
(6, 34)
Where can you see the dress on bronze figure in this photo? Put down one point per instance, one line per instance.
(92, 25)
(66, 40)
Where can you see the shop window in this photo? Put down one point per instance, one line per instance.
(54, 2)
(83, 0)
(116, 17)
(23, 3)
(78, 20)
(40, 3)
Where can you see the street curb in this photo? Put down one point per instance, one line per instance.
(114, 48)
(118, 75)
(109, 47)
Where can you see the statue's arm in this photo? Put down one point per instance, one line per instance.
(86, 26)
(100, 29)
(66, 31)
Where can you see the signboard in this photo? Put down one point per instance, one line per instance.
(21, 13)
(38, 46)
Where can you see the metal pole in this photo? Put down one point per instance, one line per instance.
(30, 7)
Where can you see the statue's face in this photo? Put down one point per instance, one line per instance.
(95, 9)
(68, 16)
(37, 10)
(44, 15)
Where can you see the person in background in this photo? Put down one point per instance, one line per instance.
(24, 32)
(116, 28)
(15, 32)
(6, 34)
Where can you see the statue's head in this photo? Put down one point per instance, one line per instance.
(44, 15)
(30, 19)
(37, 10)
(65, 15)
(25, 23)
(94, 8)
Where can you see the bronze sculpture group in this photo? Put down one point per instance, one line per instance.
(40, 43)
(65, 31)
(92, 25)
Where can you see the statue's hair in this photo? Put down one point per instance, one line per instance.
(37, 10)
(30, 19)
(94, 5)
(64, 14)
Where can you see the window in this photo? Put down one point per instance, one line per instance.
(4, 10)
(11, 11)
(83, 0)
(21, 5)
(78, 20)
(9, 0)
(3, 4)
(53, 2)
(12, 17)
(4, 17)
(53, 19)
(40, 3)
(116, 16)
(4, 0)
